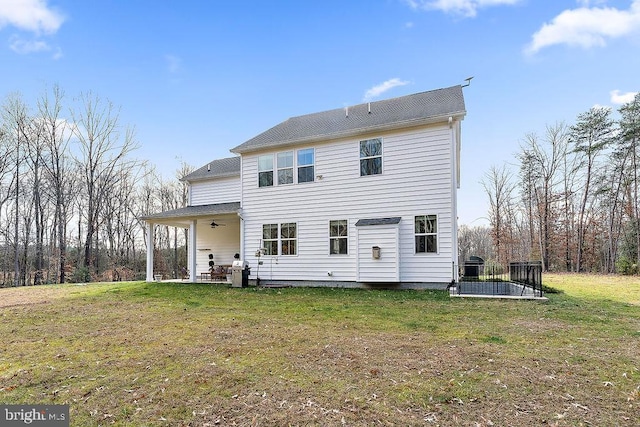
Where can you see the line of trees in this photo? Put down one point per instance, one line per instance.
(573, 200)
(71, 193)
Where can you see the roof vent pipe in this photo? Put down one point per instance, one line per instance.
(369, 107)
(209, 167)
(346, 111)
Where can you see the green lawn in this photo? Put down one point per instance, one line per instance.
(196, 355)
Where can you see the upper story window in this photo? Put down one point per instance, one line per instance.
(371, 157)
(338, 232)
(286, 163)
(265, 171)
(285, 168)
(305, 165)
(426, 232)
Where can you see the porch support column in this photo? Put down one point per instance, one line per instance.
(150, 245)
(192, 251)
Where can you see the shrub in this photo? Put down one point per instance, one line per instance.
(626, 266)
(81, 275)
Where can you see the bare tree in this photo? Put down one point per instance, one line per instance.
(34, 158)
(103, 154)
(499, 187)
(541, 162)
(17, 124)
(569, 178)
(475, 241)
(6, 165)
(59, 169)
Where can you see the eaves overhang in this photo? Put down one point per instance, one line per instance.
(182, 217)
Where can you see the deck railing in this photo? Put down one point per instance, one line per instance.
(520, 278)
(528, 274)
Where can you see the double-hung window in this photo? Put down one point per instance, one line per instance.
(285, 168)
(371, 157)
(426, 233)
(287, 163)
(270, 239)
(280, 239)
(288, 238)
(265, 171)
(305, 165)
(338, 232)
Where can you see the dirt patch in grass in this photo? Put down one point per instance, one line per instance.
(27, 295)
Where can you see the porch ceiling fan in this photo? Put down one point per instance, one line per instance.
(214, 224)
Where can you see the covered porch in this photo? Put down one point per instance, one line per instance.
(213, 237)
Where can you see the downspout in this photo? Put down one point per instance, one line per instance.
(241, 234)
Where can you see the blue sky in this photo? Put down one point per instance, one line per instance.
(197, 78)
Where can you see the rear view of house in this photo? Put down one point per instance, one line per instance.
(356, 196)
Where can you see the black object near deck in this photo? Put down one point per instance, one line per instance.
(521, 279)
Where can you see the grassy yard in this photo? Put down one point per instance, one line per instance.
(198, 355)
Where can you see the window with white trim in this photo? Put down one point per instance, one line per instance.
(371, 157)
(338, 235)
(288, 238)
(306, 165)
(290, 167)
(265, 170)
(270, 239)
(426, 233)
(285, 167)
(280, 239)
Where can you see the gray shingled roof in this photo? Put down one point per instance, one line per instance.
(195, 211)
(220, 168)
(378, 221)
(386, 114)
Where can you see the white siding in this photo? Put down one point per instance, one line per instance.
(386, 268)
(416, 180)
(219, 190)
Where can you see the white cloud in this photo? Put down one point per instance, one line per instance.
(30, 15)
(24, 47)
(378, 90)
(622, 98)
(465, 8)
(587, 27)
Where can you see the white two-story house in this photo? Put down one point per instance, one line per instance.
(357, 196)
